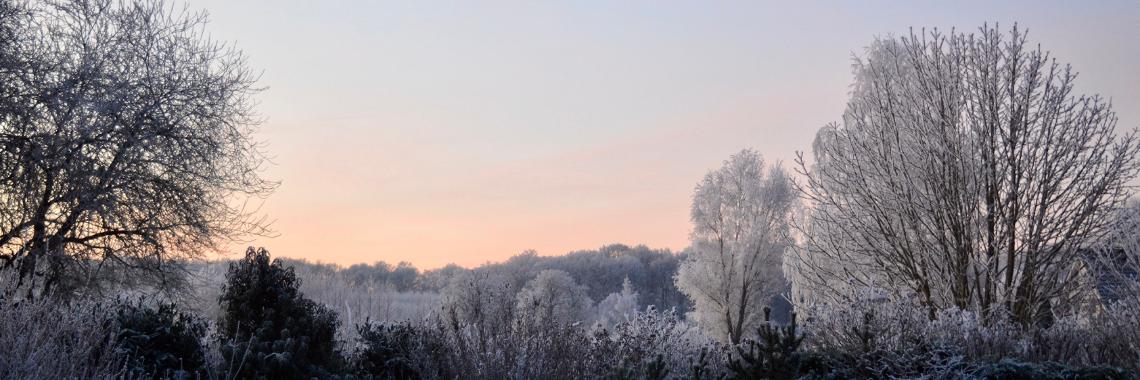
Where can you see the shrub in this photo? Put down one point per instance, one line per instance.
(875, 336)
(43, 340)
(699, 368)
(645, 340)
(1009, 369)
(872, 336)
(387, 351)
(774, 354)
(160, 341)
(655, 369)
(648, 345)
(268, 329)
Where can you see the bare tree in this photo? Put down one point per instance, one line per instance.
(965, 172)
(741, 219)
(125, 143)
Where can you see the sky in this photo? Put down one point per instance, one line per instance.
(468, 132)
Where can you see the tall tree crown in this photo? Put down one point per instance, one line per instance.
(126, 140)
(741, 215)
(965, 171)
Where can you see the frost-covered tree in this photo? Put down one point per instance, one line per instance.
(404, 276)
(966, 172)
(553, 297)
(125, 138)
(741, 218)
(618, 306)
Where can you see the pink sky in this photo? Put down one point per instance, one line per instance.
(466, 133)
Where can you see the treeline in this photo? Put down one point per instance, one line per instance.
(602, 272)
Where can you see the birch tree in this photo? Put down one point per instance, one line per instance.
(125, 143)
(740, 215)
(966, 172)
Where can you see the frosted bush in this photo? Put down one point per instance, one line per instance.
(44, 340)
(1111, 337)
(874, 335)
(975, 337)
(638, 341)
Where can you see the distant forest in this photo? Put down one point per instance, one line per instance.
(601, 271)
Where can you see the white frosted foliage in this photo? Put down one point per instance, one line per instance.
(741, 215)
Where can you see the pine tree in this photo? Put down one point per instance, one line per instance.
(774, 354)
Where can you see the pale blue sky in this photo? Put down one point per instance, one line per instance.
(438, 132)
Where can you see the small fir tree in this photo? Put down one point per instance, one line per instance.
(268, 329)
(774, 354)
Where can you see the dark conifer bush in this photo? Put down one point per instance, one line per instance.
(700, 368)
(160, 341)
(268, 329)
(1010, 369)
(774, 354)
(657, 369)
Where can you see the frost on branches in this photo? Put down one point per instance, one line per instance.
(965, 171)
(126, 136)
(740, 220)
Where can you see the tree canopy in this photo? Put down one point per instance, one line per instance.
(126, 143)
(967, 172)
